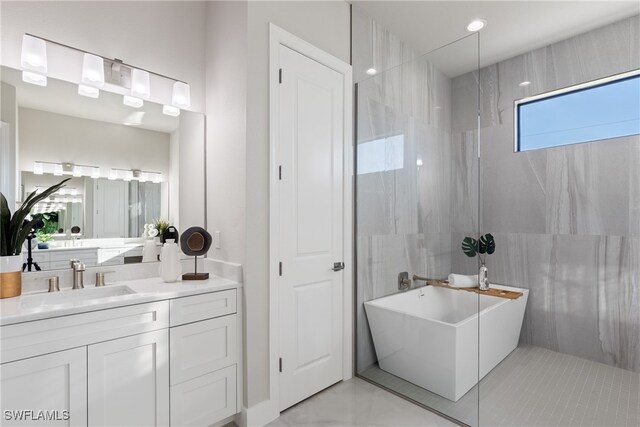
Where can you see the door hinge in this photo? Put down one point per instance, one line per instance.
(280, 173)
(280, 268)
(280, 75)
(280, 364)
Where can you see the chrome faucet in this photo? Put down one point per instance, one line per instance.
(78, 274)
(404, 284)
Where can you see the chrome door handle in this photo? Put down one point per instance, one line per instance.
(337, 266)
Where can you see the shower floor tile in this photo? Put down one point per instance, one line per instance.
(535, 386)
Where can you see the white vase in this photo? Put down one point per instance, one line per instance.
(10, 276)
(149, 251)
(170, 267)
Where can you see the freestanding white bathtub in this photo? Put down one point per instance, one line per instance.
(429, 336)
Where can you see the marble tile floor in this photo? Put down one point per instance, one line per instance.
(535, 386)
(357, 403)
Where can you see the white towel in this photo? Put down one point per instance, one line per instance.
(462, 281)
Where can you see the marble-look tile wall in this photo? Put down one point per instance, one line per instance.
(405, 216)
(567, 219)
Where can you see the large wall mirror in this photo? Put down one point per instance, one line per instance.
(123, 164)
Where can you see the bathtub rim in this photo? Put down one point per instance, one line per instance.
(525, 294)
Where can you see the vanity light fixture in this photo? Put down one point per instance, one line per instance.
(33, 60)
(38, 168)
(140, 84)
(170, 110)
(128, 175)
(92, 70)
(476, 25)
(57, 169)
(95, 172)
(113, 174)
(181, 95)
(77, 171)
(157, 178)
(132, 101)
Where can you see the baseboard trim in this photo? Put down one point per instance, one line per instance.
(258, 415)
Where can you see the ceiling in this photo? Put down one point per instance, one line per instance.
(62, 97)
(513, 27)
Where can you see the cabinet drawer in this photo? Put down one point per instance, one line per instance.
(204, 400)
(200, 307)
(202, 347)
(59, 333)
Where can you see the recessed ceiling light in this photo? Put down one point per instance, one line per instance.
(525, 83)
(372, 71)
(476, 25)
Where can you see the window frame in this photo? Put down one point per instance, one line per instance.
(559, 92)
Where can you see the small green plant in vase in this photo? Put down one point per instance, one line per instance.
(43, 239)
(485, 245)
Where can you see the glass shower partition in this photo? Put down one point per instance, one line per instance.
(417, 187)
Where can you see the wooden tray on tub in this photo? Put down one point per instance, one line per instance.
(491, 291)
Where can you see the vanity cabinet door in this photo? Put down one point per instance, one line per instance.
(129, 381)
(55, 384)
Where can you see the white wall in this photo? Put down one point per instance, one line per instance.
(325, 25)
(164, 37)
(191, 201)
(174, 178)
(227, 126)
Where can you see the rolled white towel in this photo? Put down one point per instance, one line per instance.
(462, 281)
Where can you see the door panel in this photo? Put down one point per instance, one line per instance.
(53, 383)
(310, 150)
(129, 381)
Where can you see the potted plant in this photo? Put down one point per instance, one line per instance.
(14, 229)
(485, 245)
(161, 225)
(43, 239)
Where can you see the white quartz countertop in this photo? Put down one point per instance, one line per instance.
(62, 248)
(33, 306)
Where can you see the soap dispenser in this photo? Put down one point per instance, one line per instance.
(170, 267)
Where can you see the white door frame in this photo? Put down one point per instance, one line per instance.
(277, 37)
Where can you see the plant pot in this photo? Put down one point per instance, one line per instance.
(43, 245)
(10, 276)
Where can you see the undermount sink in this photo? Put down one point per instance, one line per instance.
(76, 296)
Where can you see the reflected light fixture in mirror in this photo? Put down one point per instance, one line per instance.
(57, 169)
(170, 110)
(113, 174)
(38, 168)
(88, 91)
(33, 60)
(140, 87)
(95, 172)
(132, 101)
(77, 171)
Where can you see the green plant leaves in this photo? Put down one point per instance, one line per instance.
(470, 246)
(485, 245)
(15, 228)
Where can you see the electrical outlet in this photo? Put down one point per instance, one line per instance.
(216, 239)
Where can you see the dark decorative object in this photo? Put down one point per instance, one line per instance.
(195, 242)
(485, 245)
(170, 233)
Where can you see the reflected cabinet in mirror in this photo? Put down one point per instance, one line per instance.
(122, 163)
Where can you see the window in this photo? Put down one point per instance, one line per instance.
(601, 109)
(380, 155)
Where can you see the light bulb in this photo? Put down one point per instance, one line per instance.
(372, 71)
(476, 25)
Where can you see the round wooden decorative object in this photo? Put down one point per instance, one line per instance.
(196, 241)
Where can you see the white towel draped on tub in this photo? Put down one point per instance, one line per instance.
(462, 281)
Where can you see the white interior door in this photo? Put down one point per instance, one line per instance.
(310, 238)
(110, 209)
